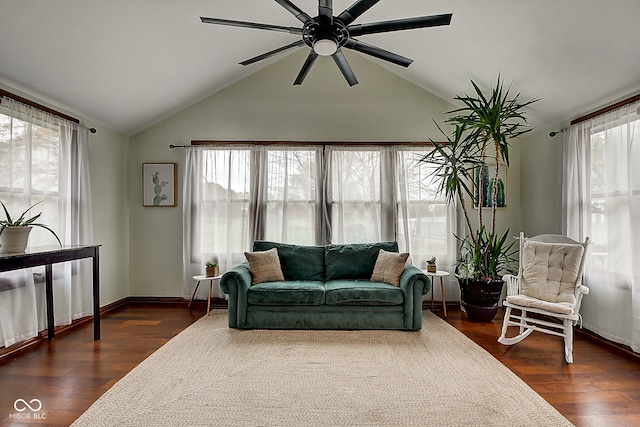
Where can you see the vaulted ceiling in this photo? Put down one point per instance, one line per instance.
(127, 64)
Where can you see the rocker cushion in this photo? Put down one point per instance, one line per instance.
(550, 271)
(525, 301)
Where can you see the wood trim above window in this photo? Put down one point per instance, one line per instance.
(606, 109)
(36, 105)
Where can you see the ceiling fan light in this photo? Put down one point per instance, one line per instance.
(325, 47)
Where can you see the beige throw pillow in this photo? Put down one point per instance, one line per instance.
(265, 266)
(389, 267)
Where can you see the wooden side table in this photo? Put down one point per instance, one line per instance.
(440, 274)
(200, 279)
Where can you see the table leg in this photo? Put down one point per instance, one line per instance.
(444, 304)
(48, 279)
(96, 294)
(209, 297)
(194, 294)
(431, 293)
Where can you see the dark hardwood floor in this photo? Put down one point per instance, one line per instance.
(601, 387)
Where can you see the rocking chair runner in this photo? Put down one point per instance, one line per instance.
(549, 283)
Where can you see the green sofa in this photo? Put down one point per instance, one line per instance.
(325, 287)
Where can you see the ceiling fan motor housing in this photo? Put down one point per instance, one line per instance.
(324, 36)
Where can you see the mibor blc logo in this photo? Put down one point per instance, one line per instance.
(27, 410)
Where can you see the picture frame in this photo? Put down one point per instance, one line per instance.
(487, 173)
(159, 184)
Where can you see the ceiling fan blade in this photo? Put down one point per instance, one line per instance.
(378, 52)
(306, 67)
(274, 52)
(325, 9)
(255, 25)
(294, 10)
(358, 8)
(400, 24)
(342, 63)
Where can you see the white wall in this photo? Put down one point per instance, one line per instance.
(541, 188)
(108, 153)
(265, 106)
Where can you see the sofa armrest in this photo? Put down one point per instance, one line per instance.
(411, 275)
(414, 284)
(235, 283)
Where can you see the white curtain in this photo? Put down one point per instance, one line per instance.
(45, 158)
(356, 195)
(309, 195)
(601, 200)
(216, 212)
(427, 224)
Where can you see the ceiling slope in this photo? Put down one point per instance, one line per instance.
(126, 65)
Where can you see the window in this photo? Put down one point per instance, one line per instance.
(291, 190)
(614, 190)
(601, 200)
(312, 195)
(44, 158)
(425, 217)
(30, 170)
(356, 196)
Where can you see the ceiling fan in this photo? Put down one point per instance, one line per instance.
(327, 34)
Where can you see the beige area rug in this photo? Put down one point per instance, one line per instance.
(210, 375)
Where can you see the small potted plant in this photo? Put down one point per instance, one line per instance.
(212, 268)
(431, 265)
(14, 234)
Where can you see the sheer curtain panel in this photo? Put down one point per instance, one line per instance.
(216, 212)
(601, 199)
(44, 158)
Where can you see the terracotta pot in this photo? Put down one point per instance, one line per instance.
(480, 298)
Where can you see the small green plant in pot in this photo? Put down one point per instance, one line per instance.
(431, 265)
(481, 130)
(14, 233)
(212, 268)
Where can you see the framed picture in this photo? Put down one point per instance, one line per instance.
(483, 177)
(159, 184)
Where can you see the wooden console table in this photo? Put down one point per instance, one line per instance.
(47, 256)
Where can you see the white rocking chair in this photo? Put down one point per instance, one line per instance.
(549, 283)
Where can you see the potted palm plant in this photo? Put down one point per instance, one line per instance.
(14, 233)
(481, 130)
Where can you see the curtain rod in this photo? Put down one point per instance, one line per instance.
(555, 132)
(300, 143)
(41, 107)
